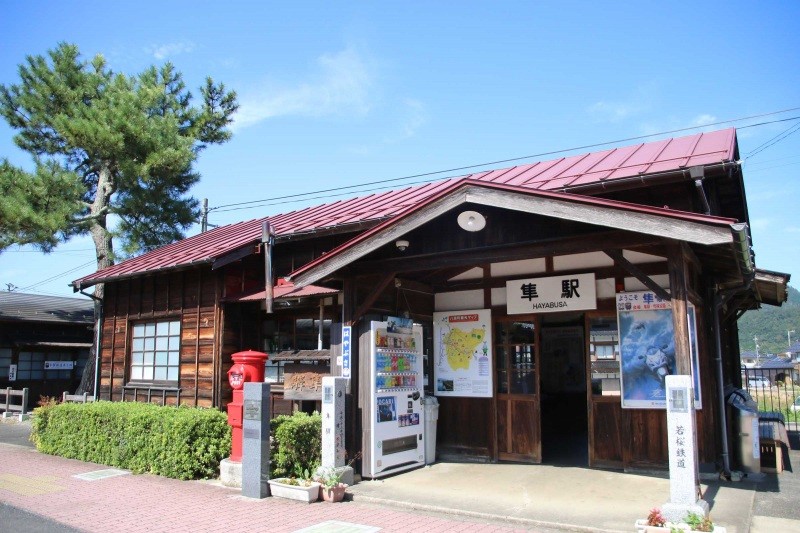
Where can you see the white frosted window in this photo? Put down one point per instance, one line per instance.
(155, 353)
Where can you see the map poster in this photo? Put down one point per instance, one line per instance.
(462, 351)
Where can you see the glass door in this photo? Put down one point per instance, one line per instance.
(517, 390)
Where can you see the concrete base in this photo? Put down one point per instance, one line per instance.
(19, 416)
(346, 474)
(676, 512)
(230, 473)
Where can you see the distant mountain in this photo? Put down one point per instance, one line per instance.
(771, 324)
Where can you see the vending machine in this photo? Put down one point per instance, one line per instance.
(397, 436)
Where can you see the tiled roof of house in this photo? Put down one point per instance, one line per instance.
(642, 161)
(25, 307)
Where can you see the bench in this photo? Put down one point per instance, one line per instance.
(772, 437)
(76, 398)
(11, 408)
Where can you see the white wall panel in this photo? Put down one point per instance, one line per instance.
(633, 284)
(516, 268)
(456, 301)
(582, 261)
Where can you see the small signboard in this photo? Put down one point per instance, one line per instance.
(12, 373)
(347, 332)
(573, 292)
(59, 365)
(303, 382)
(252, 410)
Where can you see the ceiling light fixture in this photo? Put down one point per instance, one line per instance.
(402, 244)
(471, 221)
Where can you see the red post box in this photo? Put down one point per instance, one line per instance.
(247, 366)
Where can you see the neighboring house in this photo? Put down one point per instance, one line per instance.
(44, 343)
(750, 358)
(668, 217)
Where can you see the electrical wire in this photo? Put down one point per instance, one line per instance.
(62, 274)
(307, 195)
(774, 140)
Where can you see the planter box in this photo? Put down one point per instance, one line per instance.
(642, 527)
(301, 493)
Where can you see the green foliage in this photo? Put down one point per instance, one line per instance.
(37, 207)
(699, 523)
(176, 442)
(296, 446)
(771, 324)
(105, 144)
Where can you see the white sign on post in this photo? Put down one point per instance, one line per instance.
(573, 292)
(12, 373)
(682, 446)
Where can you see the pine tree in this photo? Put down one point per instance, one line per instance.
(107, 147)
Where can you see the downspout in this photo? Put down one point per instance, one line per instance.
(268, 240)
(747, 268)
(98, 337)
(320, 330)
(697, 173)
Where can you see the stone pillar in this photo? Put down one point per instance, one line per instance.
(255, 440)
(333, 426)
(683, 464)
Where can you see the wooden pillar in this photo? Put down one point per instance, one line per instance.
(679, 290)
(352, 437)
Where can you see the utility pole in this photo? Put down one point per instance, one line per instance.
(204, 223)
(789, 338)
(758, 359)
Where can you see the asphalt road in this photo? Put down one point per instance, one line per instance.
(17, 433)
(19, 521)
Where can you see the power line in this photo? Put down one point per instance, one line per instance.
(306, 195)
(57, 276)
(774, 140)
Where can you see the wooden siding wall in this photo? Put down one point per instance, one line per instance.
(189, 296)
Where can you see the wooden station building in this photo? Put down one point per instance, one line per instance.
(669, 217)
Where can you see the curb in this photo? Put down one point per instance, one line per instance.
(513, 520)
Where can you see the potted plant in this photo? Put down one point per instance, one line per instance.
(299, 487)
(656, 523)
(331, 486)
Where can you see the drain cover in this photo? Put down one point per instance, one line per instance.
(334, 526)
(101, 474)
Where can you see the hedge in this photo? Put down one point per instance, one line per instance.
(296, 447)
(175, 442)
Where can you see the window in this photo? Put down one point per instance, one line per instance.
(5, 362)
(155, 351)
(515, 357)
(604, 355)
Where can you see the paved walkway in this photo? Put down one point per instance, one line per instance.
(443, 497)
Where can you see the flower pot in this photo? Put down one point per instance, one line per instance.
(333, 494)
(305, 492)
(642, 527)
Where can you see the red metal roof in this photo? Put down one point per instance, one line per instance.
(283, 290)
(564, 174)
(577, 199)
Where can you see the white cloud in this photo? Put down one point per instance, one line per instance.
(171, 49)
(760, 224)
(340, 85)
(702, 120)
(613, 111)
(412, 117)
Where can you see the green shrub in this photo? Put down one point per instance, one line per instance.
(176, 442)
(296, 445)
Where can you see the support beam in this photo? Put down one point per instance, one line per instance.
(370, 299)
(678, 283)
(512, 252)
(633, 270)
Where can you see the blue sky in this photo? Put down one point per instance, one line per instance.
(338, 94)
